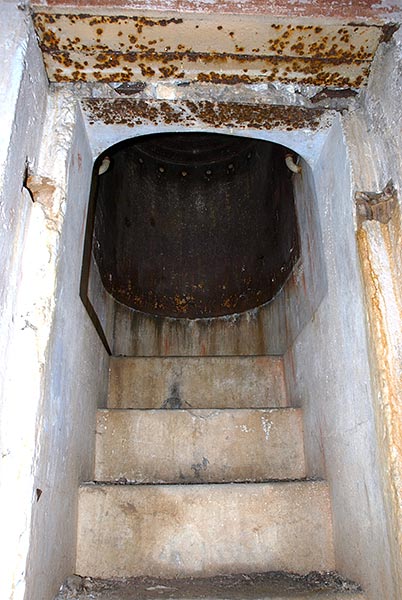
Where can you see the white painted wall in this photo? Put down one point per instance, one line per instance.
(53, 365)
(329, 376)
(23, 96)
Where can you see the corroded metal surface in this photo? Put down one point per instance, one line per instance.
(206, 48)
(196, 225)
(130, 112)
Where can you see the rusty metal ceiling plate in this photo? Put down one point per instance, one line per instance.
(226, 49)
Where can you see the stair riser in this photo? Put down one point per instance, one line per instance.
(177, 446)
(203, 530)
(224, 382)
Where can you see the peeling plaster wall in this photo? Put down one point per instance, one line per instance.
(75, 381)
(329, 376)
(53, 364)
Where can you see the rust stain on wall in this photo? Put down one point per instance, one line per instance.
(380, 259)
(228, 49)
(131, 113)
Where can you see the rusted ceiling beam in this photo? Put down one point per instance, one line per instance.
(131, 113)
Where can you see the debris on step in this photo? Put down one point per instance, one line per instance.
(256, 586)
(76, 586)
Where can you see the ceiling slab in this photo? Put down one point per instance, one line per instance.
(379, 11)
(194, 47)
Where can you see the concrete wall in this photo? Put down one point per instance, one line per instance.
(53, 366)
(375, 141)
(23, 96)
(345, 367)
(75, 378)
(329, 375)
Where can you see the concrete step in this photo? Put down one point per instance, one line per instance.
(256, 586)
(203, 530)
(205, 382)
(193, 382)
(199, 445)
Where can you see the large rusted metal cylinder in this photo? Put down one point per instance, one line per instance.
(195, 225)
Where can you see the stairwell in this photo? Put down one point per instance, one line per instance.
(200, 473)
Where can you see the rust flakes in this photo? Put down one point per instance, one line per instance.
(214, 77)
(63, 58)
(50, 41)
(169, 71)
(326, 94)
(146, 71)
(128, 112)
(304, 70)
(388, 31)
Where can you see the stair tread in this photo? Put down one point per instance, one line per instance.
(197, 382)
(158, 445)
(256, 586)
(203, 530)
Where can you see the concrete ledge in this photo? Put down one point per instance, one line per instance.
(203, 530)
(200, 445)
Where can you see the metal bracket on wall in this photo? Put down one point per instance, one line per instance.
(376, 206)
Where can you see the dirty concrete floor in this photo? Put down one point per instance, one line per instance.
(266, 586)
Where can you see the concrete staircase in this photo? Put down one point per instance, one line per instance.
(199, 472)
